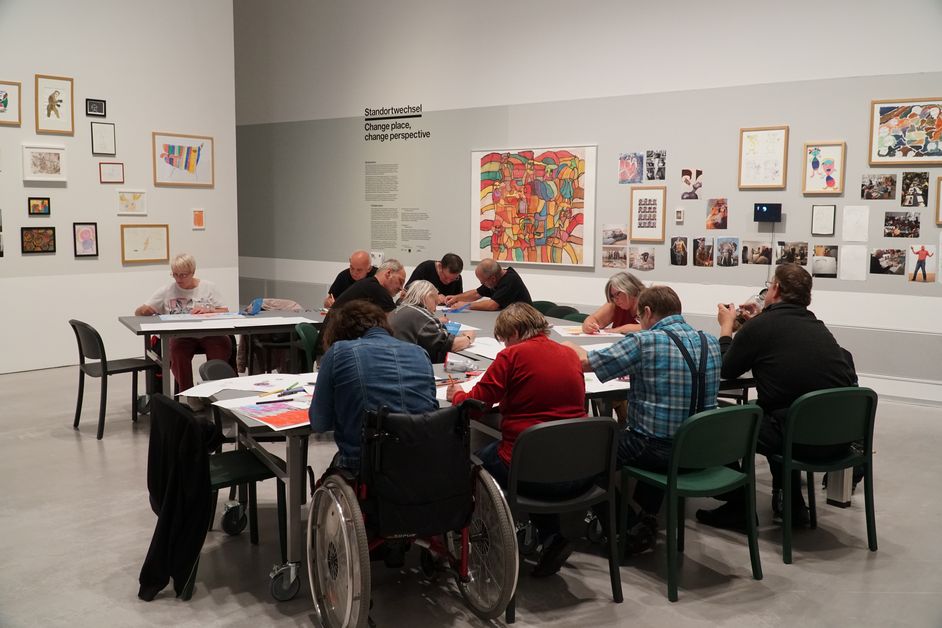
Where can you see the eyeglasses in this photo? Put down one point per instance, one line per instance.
(768, 284)
(181, 275)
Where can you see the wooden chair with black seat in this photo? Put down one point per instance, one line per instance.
(562, 451)
(91, 346)
(182, 477)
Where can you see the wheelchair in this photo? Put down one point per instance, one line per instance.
(416, 486)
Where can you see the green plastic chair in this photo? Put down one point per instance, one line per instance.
(576, 317)
(703, 446)
(543, 306)
(560, 311)
(309, 336)
(828, 417)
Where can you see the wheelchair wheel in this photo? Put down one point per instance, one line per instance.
(234, 518)
(492, 552)
(338, 557)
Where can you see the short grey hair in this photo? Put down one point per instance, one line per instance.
(417, 292)
(183, 262)
(623, 282)
(489, 267)
(393, 265)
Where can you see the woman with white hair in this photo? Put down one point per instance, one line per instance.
(414, 321)
(188, 295)
(620, 309)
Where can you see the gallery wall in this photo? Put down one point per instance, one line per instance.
(164, 67)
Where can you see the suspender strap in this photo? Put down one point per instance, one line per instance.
(697, 376)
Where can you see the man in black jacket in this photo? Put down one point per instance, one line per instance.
(790, 353)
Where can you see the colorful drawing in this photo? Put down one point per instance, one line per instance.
(717, 213)
(85, 236)
(181, 157)
(630, 167)
(703, 251)
(132, 202)
(534, 205)
(824, 168)
(906, 131)
(183, 160)
(38, 206)
(37, 240)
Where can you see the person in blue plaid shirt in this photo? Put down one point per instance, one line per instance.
(675, 372)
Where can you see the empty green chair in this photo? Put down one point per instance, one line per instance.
(560, 311)
(828, 417)
(703, 446)
(576, 317)
(543, 306)
(309, 336)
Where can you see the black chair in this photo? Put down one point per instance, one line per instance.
(562, 451)
(216, 369)
(560, 311)
(182, 477)
(577, 317)
(543, 306)
(90, 346)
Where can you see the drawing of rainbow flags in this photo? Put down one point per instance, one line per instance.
(182, 157)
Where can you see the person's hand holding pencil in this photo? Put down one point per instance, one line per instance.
(452, 388)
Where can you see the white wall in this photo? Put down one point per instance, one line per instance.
(326, 59)
(161, 66)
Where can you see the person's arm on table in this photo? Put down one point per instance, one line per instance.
(145, 310)
(599, 319)
(490, 389)
(486, 305)
(582, 353)
(464, 297)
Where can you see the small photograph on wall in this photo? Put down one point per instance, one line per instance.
(878, 187)
(691, 180)
(614, 234)
(888, 262)
(614, 257)
(717, 213)
(921, 263)
(792, 253)
(679, 251)
(630, 167)
(901, 225)
(915, 189)
(756, 253)
(641, 257)
(37, 240)
(824, 261)
(655, 165)
(38, 206)
(727, 252)
(85, 238)
(703, 251)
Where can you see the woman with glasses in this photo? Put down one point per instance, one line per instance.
(188, 295)
(620, 309)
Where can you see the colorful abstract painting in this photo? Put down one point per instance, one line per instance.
(534, 205)
(906, 132)
(183, 160)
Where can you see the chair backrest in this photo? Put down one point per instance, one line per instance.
(576, 317)
(89, 341)
(417, 470)
(717, 437)
(543, 306)
(308, 335)
(560, 311)
(832, 417)
(563, 450)
(216, 369)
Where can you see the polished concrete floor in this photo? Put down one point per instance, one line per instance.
(75, 525)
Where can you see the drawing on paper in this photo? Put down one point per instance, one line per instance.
(763, 153)
(132, 202)
(906, 131)
(824, 168)
(183, 160)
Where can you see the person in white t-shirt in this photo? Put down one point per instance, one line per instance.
(188, 295)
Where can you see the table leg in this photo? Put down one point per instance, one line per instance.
(165, 365)
(293, 487)
(840, 487)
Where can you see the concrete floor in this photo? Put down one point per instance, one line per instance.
(75, 525)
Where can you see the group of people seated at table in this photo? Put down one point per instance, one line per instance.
(378, 353)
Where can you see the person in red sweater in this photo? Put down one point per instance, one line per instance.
(533, 380)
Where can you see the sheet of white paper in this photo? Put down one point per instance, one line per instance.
(821, 220)
(183, 326)
(853, 263)
(263, 382)
(199, 317)
(856, 223)
(467, 385)
(593, 385)
(269, 320)
(485, 347)
(468, 328)
(598, 346)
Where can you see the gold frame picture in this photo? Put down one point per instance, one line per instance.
(763, 157)
(646, 213)
(8, 115)
(815, 157)
(53, 94)
(181, 160)
(145, 244)
(884, 121)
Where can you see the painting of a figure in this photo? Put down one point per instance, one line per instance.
(534, 206)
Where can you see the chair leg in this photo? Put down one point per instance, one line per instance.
(681, 517)
(623, 517)
(103, 406)
(812, 509)
(212, 513)
(613, 562)
(282, 520)
(134, 396)
(751, 530)
(253, 513)
(671, 548)
(868, 503)
(81, 394)
(787, 513)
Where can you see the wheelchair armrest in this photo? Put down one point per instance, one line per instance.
(474, 404)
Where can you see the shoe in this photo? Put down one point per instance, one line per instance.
(642, 535)
(729, 515)
(800, 514)
(553, 557)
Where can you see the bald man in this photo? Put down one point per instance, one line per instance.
(360, 268)
(499, 288)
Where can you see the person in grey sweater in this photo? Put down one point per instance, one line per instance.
(415, 321)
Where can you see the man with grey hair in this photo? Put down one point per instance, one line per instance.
(361, 266)
(499, 288)
(380, 289)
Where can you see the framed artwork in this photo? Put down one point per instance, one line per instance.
(11, 103)
(646, 213)
(43, 163)
(679, 216)
(131, 202)
(145, 243)
(38, 206)
(822, 219)
(905, 132)
(37, 240)
(103, 142)
(183, 160)
(763, 158)
(534, 205)
(199, 222)
(94, 107)
(85, 238)
(54, 105)
(938, 201)
(823, 171)
(110, 172)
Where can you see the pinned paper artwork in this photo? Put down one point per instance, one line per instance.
(717, 213)
(534, 205)
(921, 263)
(614, 257)
(183, 160)
(792, 253)
(901, 225)
(692, 181)
(630, 167)
(727, 252)
(655, 165)
(756, 253)
(679, 251)
(703, 251)
(824, 261)
(878, 187)
(914, 191)
(641, 257)
(198, 220)
(906, 132)
(888, 262)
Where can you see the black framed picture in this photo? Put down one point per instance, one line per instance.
(103, 142)
(85, 237)
(94, 107)
(38, 206)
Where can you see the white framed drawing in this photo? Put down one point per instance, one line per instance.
(131, 202)
(44, 163)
